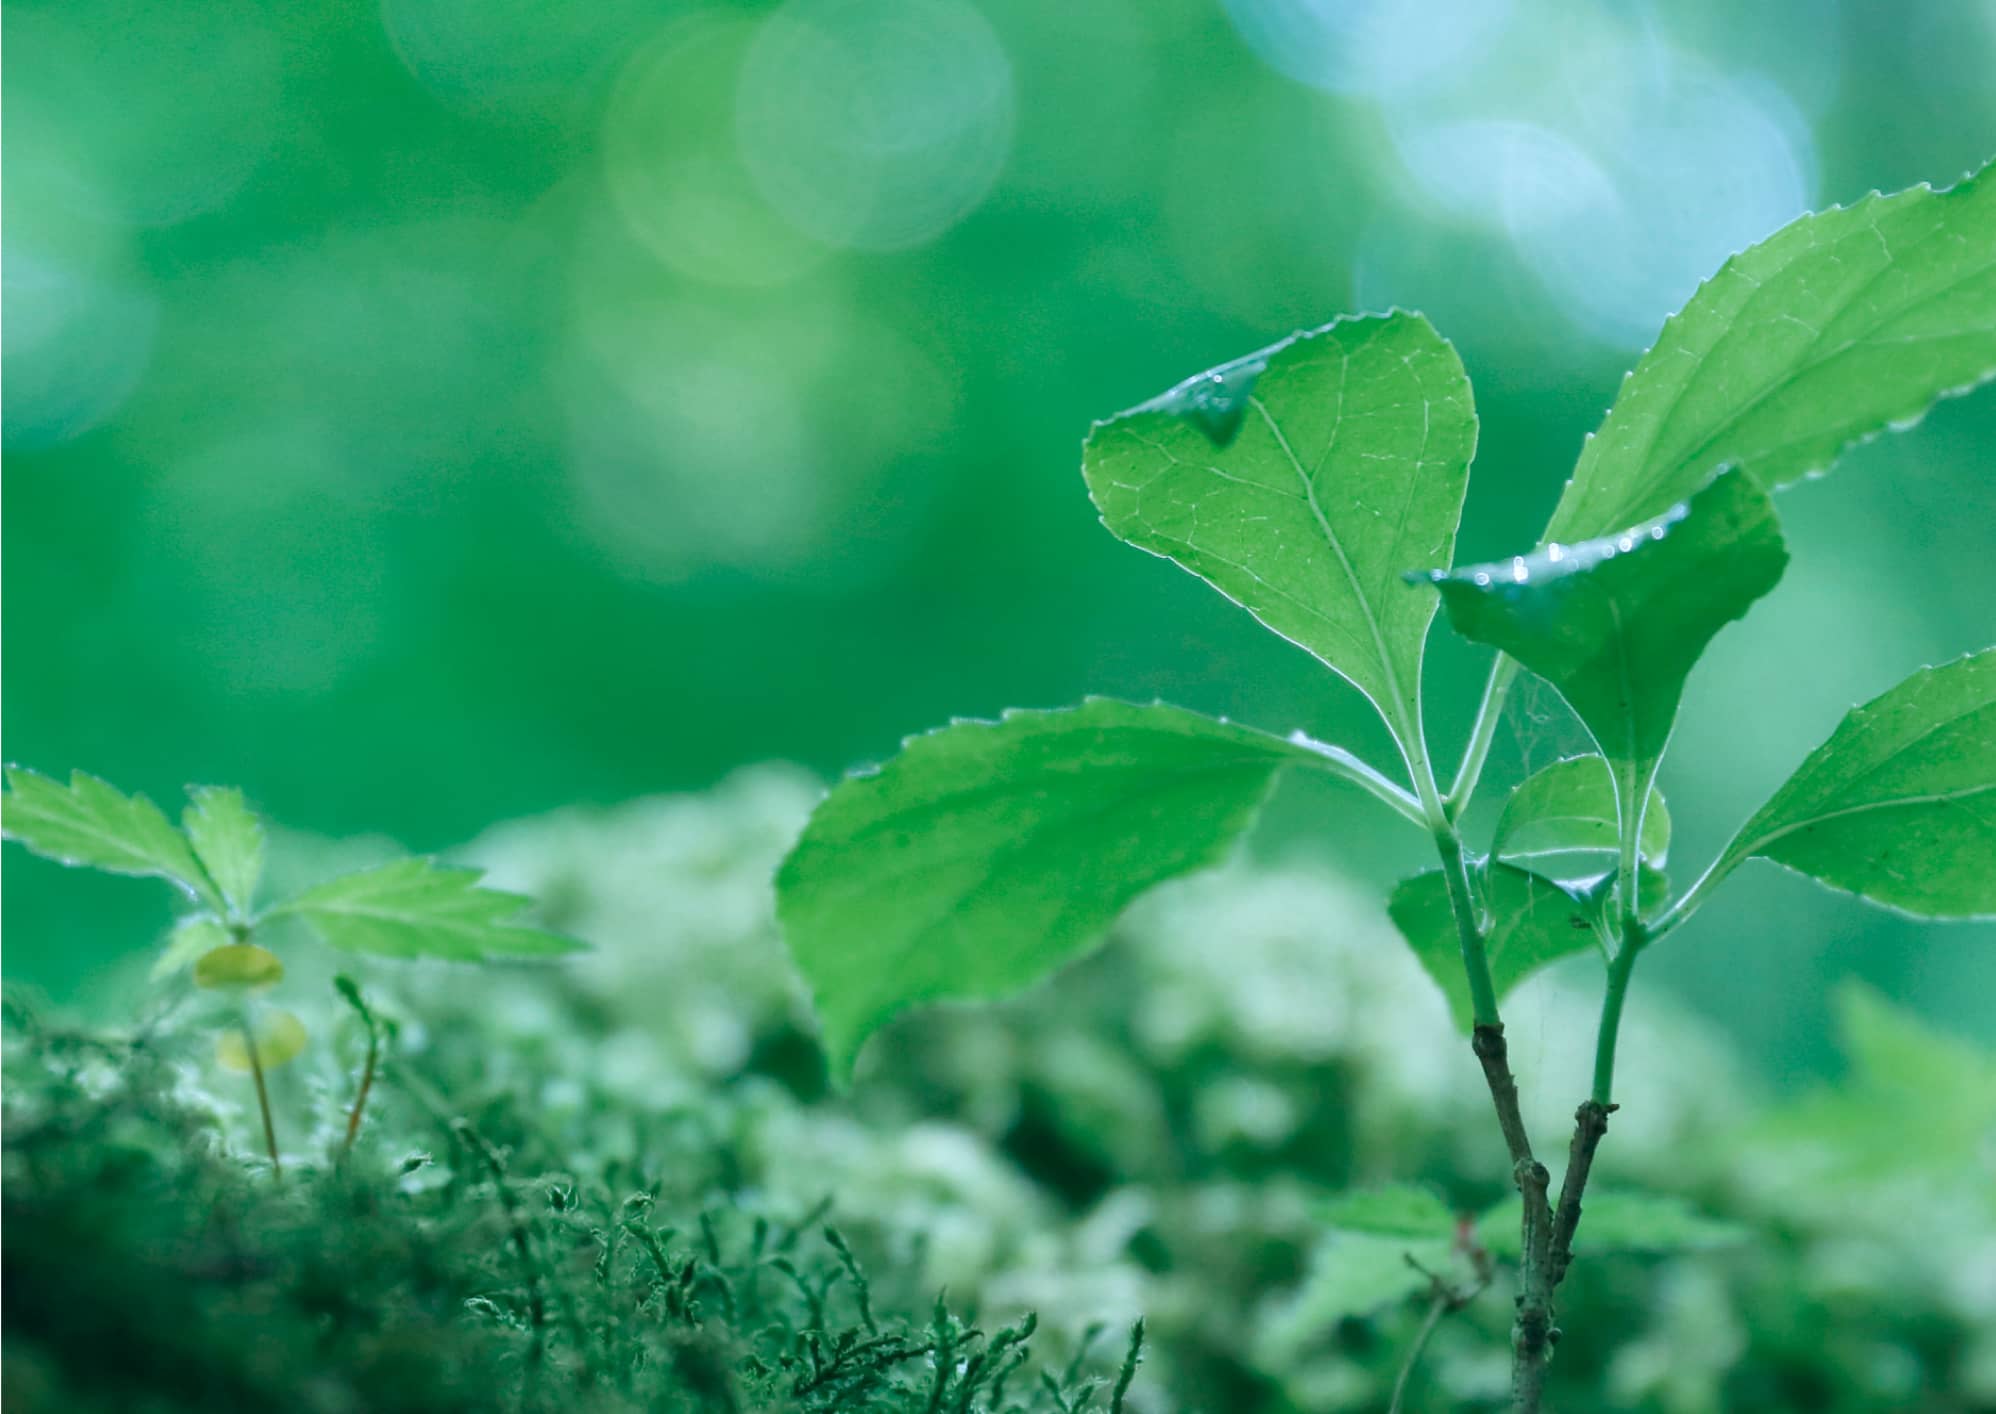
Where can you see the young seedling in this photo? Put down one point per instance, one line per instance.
(349, 991)
(1318, 484)
(214, 860)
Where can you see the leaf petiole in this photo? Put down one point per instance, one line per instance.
(1489, 712)
(1348, 767)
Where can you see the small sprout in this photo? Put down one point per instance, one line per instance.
(350, 991)
(240, 967)
(279, 1037)
(276, 1038)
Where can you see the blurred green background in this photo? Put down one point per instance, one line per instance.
(427, 412)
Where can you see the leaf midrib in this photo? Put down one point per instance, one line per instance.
(1393, 690)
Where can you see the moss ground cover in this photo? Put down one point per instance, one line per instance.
(615, 1185)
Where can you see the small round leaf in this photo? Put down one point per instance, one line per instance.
(280, 1037)
(239, 967)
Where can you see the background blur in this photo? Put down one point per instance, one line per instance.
(427, 412)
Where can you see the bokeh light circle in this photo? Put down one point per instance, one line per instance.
(1376, 47)
(875, 124)
(1624, 173)
(129, 90)
(673, 167)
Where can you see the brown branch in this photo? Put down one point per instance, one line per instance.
(1488, 1043)
(1532, 1332)
(1590, 1122)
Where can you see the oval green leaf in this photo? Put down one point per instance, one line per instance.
(1302, 482)
(987, 854)
(1616, 624)
(1899, 805)
(280, 1039)
(238, 967)
(1839, 326)
(1562, 818)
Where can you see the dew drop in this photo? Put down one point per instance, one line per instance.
(1482, 578)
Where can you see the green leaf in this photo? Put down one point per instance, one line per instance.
(1839, 326)
(1533, 922)
(1616, 624)
(228, 838)
(280, 1039)
(92, 824)
(1355, 1274)
(1562, 818)
(1398, 1210)
(1899, 805)
(987, 854)
(417, 908)
(1612, 1221)
(238, 967)
(192, 937)
(1301, 482)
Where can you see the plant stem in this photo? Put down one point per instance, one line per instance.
(1632, 795)
(262, 1096)
(1532, 1331)
(1619, 972)
(360, 1096)
(1437, 1308)
(1503, 671)
(350, 990)
(1590, 1122)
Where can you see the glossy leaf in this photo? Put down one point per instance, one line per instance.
(191, 937)
(1302, 482)
(1839, 326)
(1616, 624)
(417, 908)
(228, 839)
(987, 854)
(280, 1039)
(1562, 819)
(1612, 1221)
(1398, 1210)
(1899, 805)
(238, 967)
(1532, 922)
(92, 824)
